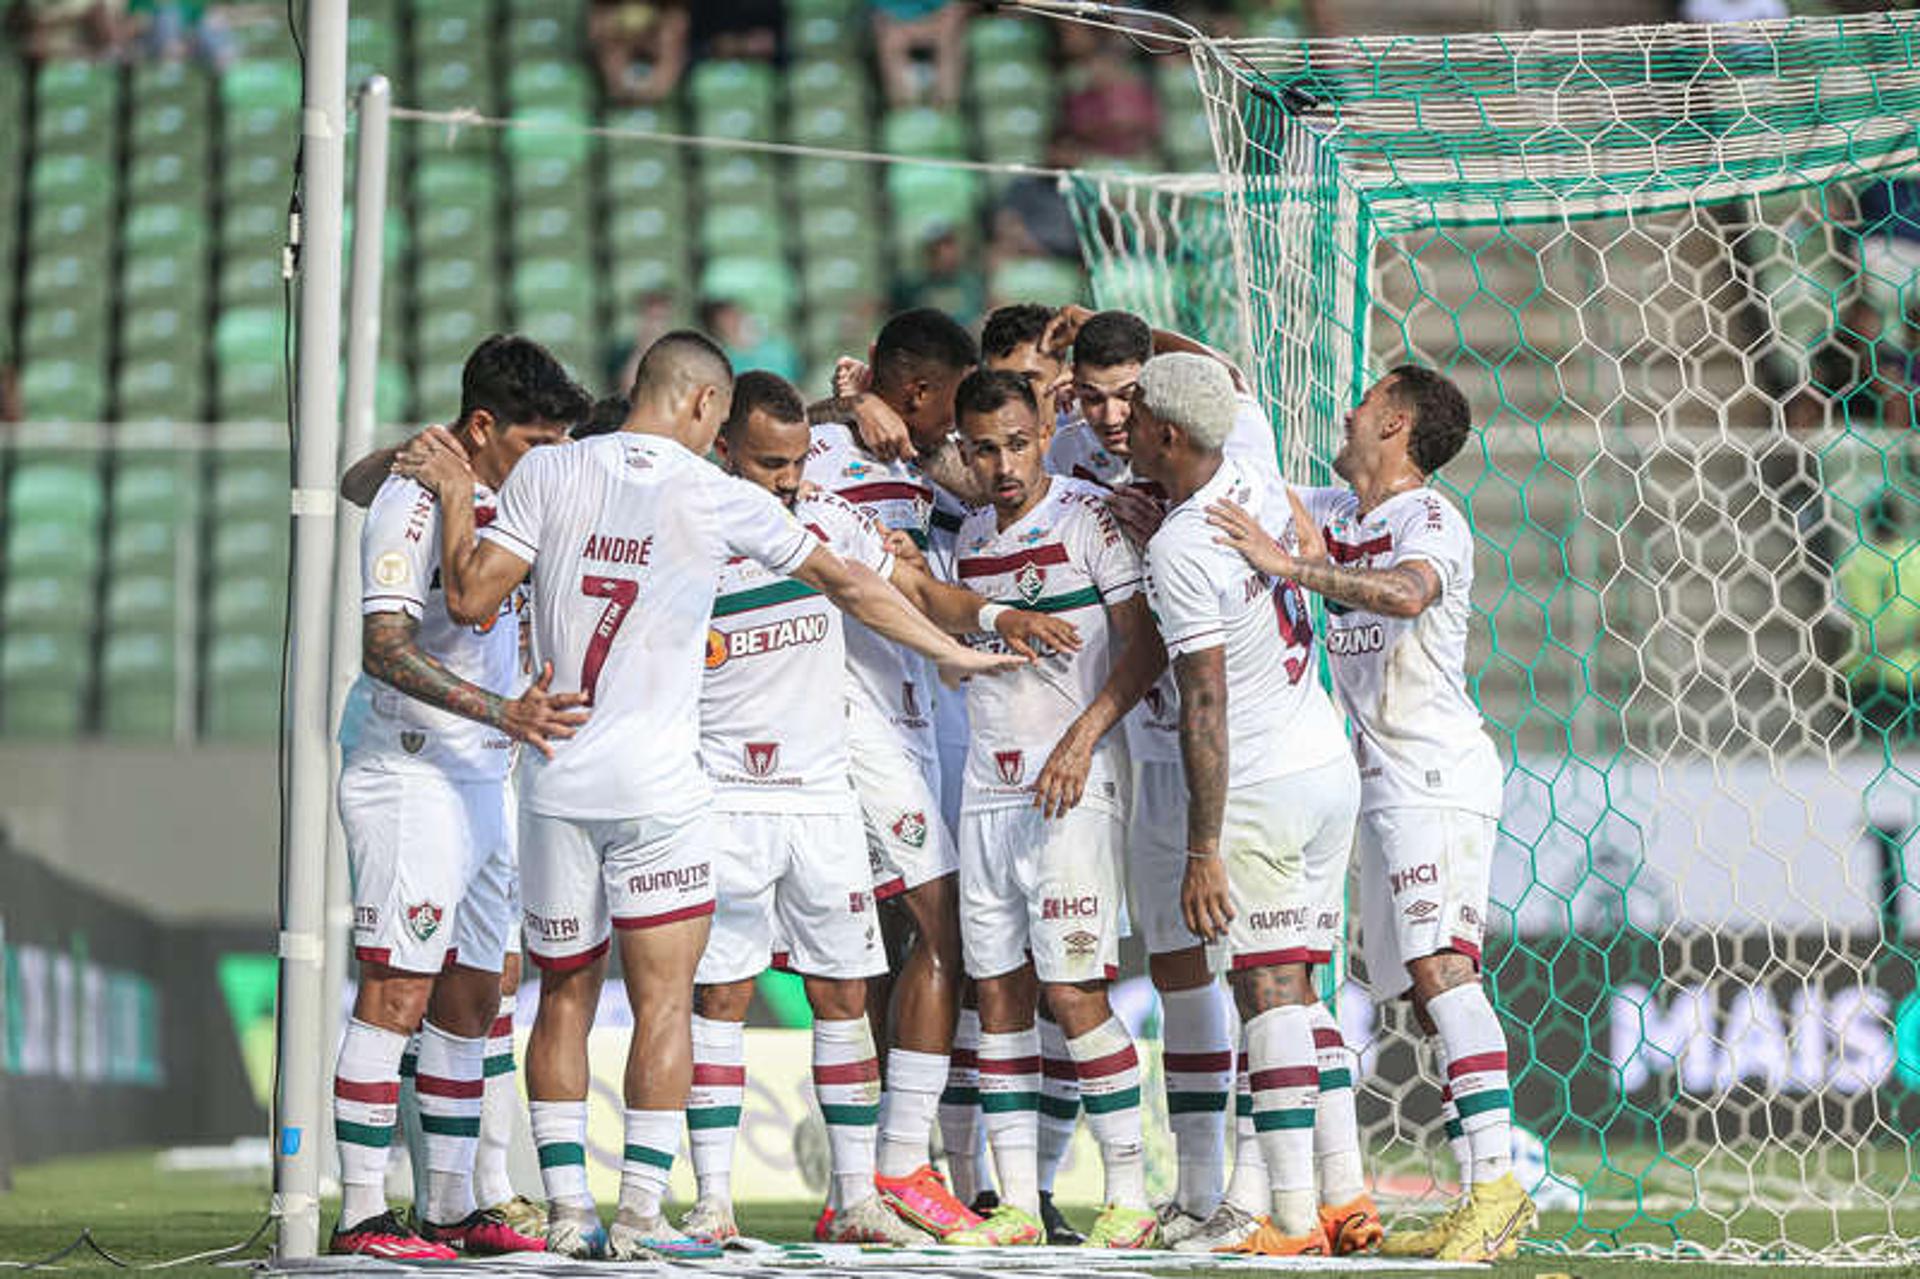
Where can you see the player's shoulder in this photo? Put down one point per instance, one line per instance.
(1429, 511)
(402, 502)
(1084, 503)
(834, 515)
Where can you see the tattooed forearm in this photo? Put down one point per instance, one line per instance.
(837, 408)
(1400, 591)
(390, 653)
(1202, 680)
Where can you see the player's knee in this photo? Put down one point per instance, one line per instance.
(1438, 973)
(1259, 990)
(1180, 969)
(833, 999)
(725, 1001)
(1077, 1007)
(391, 1000)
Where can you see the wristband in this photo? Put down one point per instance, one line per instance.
(990, 613)
(1193, 856)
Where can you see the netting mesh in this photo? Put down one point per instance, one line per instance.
(1672, 268)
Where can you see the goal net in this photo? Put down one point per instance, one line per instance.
(1672, 267)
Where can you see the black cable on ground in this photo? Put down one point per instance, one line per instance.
(86, 1240)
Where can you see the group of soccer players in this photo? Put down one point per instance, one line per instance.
(926, 692)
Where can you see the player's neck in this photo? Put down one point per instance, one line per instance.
(647, 420)
(1004, 520)
(488, 469)
(1375, 491)
(1191, 474)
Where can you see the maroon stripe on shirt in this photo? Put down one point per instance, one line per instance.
(884, 491)
(987, 565)
(1348, 552)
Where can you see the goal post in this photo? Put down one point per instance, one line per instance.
(1664, 264)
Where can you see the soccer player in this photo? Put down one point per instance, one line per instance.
(425, 742)
(789, 850)
(919, 358)
(1394, 561)
(625, 536)
(1271, 787)
(1041, 826)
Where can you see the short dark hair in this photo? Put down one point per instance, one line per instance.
(989, 391)
(1010, 326)
(920, 342)
(608, 414)
(681, 355)
(1441, 418)
(1113, 338)
(519, 381)
(768, 392)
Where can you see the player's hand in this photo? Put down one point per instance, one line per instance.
(1205, 902)
(540, 718)
(902, 547)
(1025, 631)
(882, 431)
(965, 663)
(1063, 780)
(1243, 533)
(1138, 514)
(1309, 543)
(851, 376)
(435, 459)
(1062, 329)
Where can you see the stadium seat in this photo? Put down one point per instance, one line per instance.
(646, 230)
(763, 285)
(1015, 133)
(1050, 278)
(242, 683)
(143, 600)
(540, 283)
(68, 82)
(165, 175)
(998, 39)
(250, 483)
(76, 129)
(43, 684)
(161, 328)
(831, 125)
(456, 82)
(136, 546)
(924, 131)
(254, 602)
(250, 545)
(250, 335)
(259, 229)
(164, 224)
(163, 277)
(826, 227)
(732, 179)
(1012, 81)
(70, 179)
(471, 283)
(372, 49)
(250, 282)
(153, 84)
(544, 229)
(734, 99)
(447, 334)
(138, 696)
(159, 390)
(272, 83)
(64, 391)
(53, 603)
(830, 8)
(924, 197)
(742, 228)
(179, 127)
(457, 226)
(553, 84)
(833, 278)
(154, 485)
(636, 275)
(542, 35)
(820, 82)
(643, 175)
(63, 332)
(266, 176)
(827, 34)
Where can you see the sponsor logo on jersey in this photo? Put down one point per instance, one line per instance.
(1286, 917)
(423, 920)
(911, 829)
(1080, 943)
(1470, 917)
(1011, 765)
(909, 700)
(391, 569)
(1032, 535)
(1030, 581)
(762, 757)
(552, 927)
(1352, 641)
(1424, 873)
(750, 641)
(679, 879)
(413, 742)
(858, 470)
(1070, 907)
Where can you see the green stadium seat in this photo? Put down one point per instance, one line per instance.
(67, 82)
(154, 486)
(372, 49)
(648, 117)
(136, 546)
(164, 175)
(831, 125)
(734, 99)
(178, 127)
(551, 158)
(992, 39)
(161, 329)
(568, 331)
(635, 275)
(1015, 133)
(447, 334)
(270, 83)
(551, 83)
(765, 286)
(63, 332)
(437, 388)
(924, 131)
(829, 8)
(467, 282)
(1012, 81)
(837, 180)
(644, 229)
(541, 35)
(175, 227)
(266, 176)
(924, 197)
(550, 282)
(826, 34)
(255, 544)
(1050, 278)
(254, 228)
(1188, 139)
(740, 229)
(644, 176)
(70, 179)
(169, 83)
(75, 129)
(732, 179)
(541, 229)
(260, 129)
(43, 684)
(49, 602)
(138, 678)
(446, 32)
(827, 226)
(250, 335)
(255, 602)
(250, 393)
(242, 683)
(64, 390)
(822, 82)
(85, 229)
(143, 600)
(462, 227)
(51, 548)
(251, 282)
(63, 488)
(161, 277)
(249, 484)
(836, 277)
(158, 389)
(454, 82)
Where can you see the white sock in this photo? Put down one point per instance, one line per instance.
(1059, 1101)
(846, 1081)
(652, 1138)
(1009, 1106)
(1477, 1075)
(1196, 1028)
(960, 1129)
(1286, 1084)
(713, 1103)
(450, 1086)
(1109, 1070)
(1450, 1115)
(491, 1184)
(907, 1107)
(366, 1098)
(1336, 1132)
(560, 1135)
(1249, 1190)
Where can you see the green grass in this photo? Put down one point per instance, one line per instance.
(143, 1215)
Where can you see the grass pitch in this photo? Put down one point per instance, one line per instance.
(143, 1215)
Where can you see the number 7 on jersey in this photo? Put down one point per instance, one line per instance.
(619, 593)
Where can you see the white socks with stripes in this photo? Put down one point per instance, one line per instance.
(1109, 1070)
(366, 1098)
(645, 1164)
(450, 1086)
(915, 1081)
(713, 1103)
(846, 1082)
(960, 1129)
(498, 1104)
(1476, 1050)
(1059, 1100)
(1196, 1028)
(1009, 1105)
(1285, 1080)
(560, 1136)
(1336, 1133)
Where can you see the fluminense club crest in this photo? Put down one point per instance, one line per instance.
(911, 829)
(423, 920)
(762, 757)
(1030, 581)
(1011, 765)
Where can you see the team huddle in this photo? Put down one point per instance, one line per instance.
(927, 692)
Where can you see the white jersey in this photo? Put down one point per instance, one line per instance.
(1153, 725)
(773, 719)
(1204, 595)
(627, 534)
(1418, 736)
(1066, 556)
(385, 729)
(897, 683)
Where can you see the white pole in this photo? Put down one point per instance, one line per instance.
(356, 438)
(300, 1106)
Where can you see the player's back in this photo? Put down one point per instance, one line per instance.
(631, 532)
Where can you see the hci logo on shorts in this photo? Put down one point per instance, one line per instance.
(1012, 767)
(424, 920)
(762, 757)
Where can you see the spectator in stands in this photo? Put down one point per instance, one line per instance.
(918, 39)
(640, 47)
(54, 29)
(1107, 106)
(654, 315)
(747, 341)
(1879, 588)
(173, 29)
(944, 279)
(739, 29)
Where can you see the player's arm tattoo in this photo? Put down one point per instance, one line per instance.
(391, 653)
(835, 408)
(1402, 590)
(1202, 680)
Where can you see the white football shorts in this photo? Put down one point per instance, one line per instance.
(1286, 843)
(1157, 856)
(908, 842)
(1049, 888)
(1424, 878)
(579, 877)
(800, 880)
(433, 870)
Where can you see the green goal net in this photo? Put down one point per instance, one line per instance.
(1675, 269)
